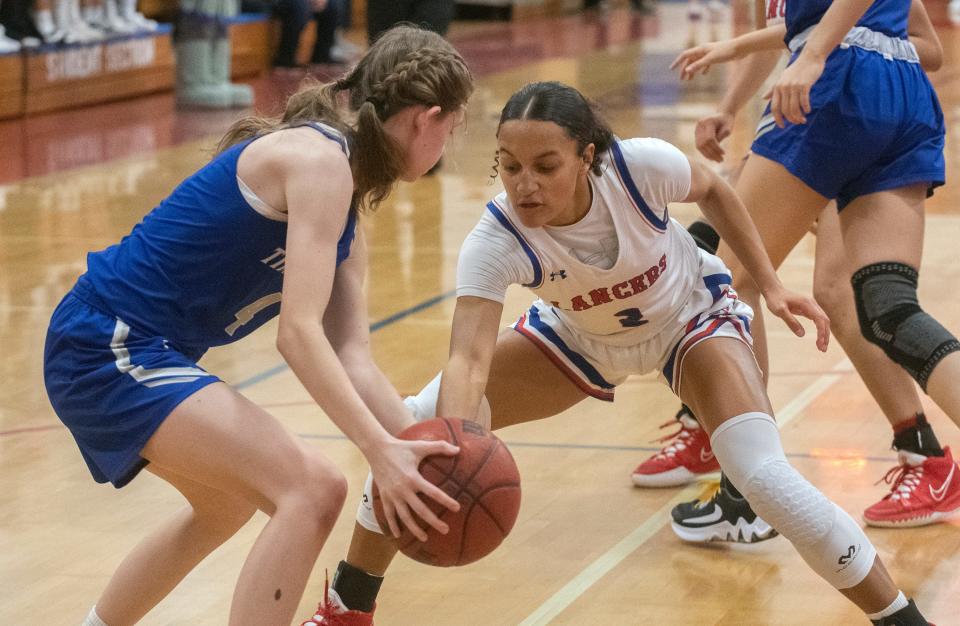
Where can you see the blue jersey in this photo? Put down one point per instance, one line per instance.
(884, 16)
(202, 269)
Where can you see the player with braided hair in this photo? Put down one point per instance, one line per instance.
(270, 221)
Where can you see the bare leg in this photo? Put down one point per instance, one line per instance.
(783, 208)
(160, 561)
(222, 441)
(720, 381)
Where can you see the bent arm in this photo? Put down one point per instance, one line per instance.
(924, 37)
(833, 27)
(749, 75)
(769, 38)
(726, 212)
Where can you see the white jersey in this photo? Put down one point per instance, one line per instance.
(776, 12)
(652, 279)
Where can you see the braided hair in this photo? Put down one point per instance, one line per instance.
(406, 66)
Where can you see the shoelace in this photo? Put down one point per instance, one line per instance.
(327, 613)
(904, 479)
(679, 436)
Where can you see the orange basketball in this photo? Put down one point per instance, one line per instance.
(483, 478)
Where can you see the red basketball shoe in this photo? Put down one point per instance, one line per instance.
(686, 456)
(331, 612)
(925, 490)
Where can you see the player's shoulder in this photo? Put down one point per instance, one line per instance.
(647, 149)
(296, 154)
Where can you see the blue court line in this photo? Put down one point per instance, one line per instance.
(396, 317)
(599, 446)
(529, 444)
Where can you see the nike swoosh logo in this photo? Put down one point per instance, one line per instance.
(705, 519)
(704, 458)
(940, 494)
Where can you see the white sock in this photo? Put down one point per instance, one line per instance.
(93, 619)
(898, 603)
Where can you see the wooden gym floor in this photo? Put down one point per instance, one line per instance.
(588, 548)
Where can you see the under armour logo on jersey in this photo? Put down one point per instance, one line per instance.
(844, 559)
(562, 274)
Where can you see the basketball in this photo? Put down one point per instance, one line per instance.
(483, 478)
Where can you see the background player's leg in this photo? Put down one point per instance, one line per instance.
(890, 386)
(888, 226)
(159, 562)
(523, 385)
(783, 209)
(222, 440)
(722, 384)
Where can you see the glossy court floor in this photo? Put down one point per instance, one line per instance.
(588, 548)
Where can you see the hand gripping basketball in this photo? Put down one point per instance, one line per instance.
(483, 478)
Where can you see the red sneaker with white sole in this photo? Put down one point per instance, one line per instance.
(924, 490)
(686, 456)
(331, 612)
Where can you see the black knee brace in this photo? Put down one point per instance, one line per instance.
(890, 317)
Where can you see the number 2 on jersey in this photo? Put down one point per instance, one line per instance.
(631, 317)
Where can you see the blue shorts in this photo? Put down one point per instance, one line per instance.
(875, 125)
(113, 386)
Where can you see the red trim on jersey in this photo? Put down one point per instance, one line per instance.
(704, 334)
(584, 386)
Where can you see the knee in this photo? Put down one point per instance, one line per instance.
(833, 294)
(890, 317)
(319, 491)
(748, 448)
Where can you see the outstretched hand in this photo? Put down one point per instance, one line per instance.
(787, 305)
(699, 59)
(395, 470)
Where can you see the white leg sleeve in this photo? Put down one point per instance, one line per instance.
(365, 515)
(423, 406)
(833, 545)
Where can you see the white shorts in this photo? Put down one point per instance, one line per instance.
(713, 310)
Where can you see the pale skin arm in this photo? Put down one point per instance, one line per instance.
(790, 97)
(315, 220)
(721, 205)
(749, 74)
(347, 327)
(924, 37)
(473, 339)
(699, 59)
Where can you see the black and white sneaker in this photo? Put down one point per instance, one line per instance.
(724, 517)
